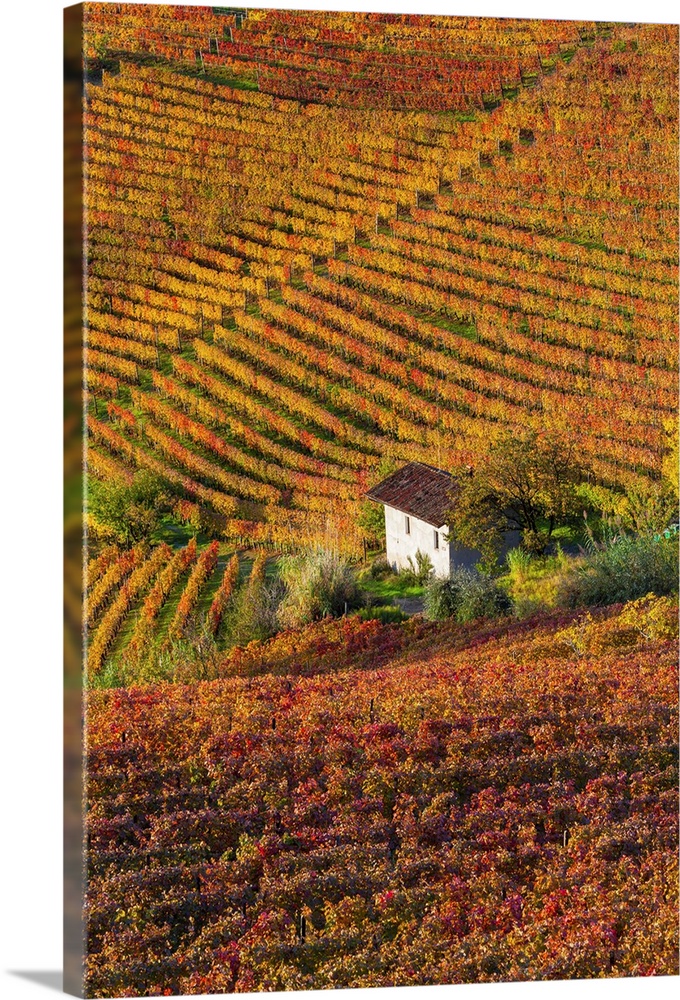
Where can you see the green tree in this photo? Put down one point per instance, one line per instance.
(371, 517)
(128, 510)
(371, 520)
(527, 483)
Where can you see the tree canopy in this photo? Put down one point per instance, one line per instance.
(527, 483)
(128, 510)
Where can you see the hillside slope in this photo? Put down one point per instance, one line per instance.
(492, 803)
(283, 292)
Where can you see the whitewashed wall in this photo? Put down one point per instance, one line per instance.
(400, 545)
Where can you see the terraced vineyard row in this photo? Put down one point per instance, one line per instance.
(152, 596)
(503, 807)
(278, 302)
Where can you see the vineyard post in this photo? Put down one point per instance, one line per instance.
(158, 353)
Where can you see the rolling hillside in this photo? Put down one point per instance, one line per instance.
(318, 241)
(317, 246)
(401, 806)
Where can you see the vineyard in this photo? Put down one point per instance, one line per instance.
(316, 242)
(152, 596)
(318, 246)
(488, 803)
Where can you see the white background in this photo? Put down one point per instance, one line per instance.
(30, 531)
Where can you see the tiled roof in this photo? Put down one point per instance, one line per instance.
(417, 489)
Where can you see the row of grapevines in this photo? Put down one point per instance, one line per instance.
(131, 590)
(205, 564)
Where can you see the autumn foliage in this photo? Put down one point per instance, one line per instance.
(317, 243)
(319, 240)
(490, 803)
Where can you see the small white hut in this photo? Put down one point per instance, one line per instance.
(416, 499)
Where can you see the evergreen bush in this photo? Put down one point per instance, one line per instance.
(629, 568)
(465, 595)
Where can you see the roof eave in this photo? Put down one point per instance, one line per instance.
(402, 510)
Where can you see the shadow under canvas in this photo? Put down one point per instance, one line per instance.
(50, 979)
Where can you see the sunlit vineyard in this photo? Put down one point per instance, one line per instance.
(317, 247)
(149, 596)
(318, 241)
(453, 805)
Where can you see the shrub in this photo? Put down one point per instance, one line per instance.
(420, 571)
(465, 595)
(532, 581)
(655, 618)
(316, 584)
(518, 562)
(625, 570)
(440, 599)
(379, 567)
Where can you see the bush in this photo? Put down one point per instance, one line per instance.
(420, 571)
(532, 581)
(317, 584)
(518, 562)
(465, 595)
(379, 567)
(627, 569)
